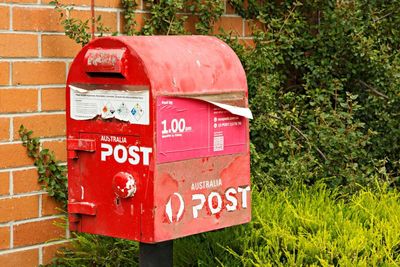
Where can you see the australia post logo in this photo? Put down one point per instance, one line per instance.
(117, 149)
(200, 205)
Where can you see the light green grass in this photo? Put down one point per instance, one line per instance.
(305, 227)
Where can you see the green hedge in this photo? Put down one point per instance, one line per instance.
(324, 87)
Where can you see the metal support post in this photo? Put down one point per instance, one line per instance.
(156, 255)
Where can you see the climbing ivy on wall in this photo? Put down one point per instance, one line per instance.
(165, 17)
(77, 29)
(52, 174)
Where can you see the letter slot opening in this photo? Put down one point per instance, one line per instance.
(105, 75)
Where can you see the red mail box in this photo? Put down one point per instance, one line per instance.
(157, 138)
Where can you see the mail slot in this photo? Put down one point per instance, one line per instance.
(157, 138)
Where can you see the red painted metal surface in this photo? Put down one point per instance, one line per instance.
(189, 194)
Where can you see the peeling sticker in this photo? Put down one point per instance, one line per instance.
(244, 112)
(130, 106)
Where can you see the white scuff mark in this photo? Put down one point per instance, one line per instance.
(198, 63)
(82, 192)
(130, 186)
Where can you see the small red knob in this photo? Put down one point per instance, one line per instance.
(124, 185)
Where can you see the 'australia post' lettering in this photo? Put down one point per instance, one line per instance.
(121, 154)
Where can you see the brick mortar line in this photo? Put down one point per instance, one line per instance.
(24, 114)
(5, 224)
(231, 16)
(11, 130)
(20, 142)
(36, 59)
(30, 194)
(11, 235)
(10, 77)
(40, 255)
(39, 99)
(18, 169)
(33, 32)
(40, 205)
(31, 114)
(67, 232)
(41, 219)
(243, 27)
(225, 7)
(55, 139)
(48, 6)
(30, 32)
(39, 38)
(67, 70)
(11, 186)
(25, 167)
(19, 249)
(118, 21)
(42, 139)
(33, 87)
(11, 18)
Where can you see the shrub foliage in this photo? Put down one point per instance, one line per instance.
(325, 91)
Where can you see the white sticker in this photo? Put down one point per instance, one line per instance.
(244, 112)
(131, 106)
(240, 111)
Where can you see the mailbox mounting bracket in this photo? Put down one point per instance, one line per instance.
(74, 145)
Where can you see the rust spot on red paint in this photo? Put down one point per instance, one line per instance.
(205, 159)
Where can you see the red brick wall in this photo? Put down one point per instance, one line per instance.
(34, 60)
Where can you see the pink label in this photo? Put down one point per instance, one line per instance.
(190, 128)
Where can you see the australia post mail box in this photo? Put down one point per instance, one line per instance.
(157, 138)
